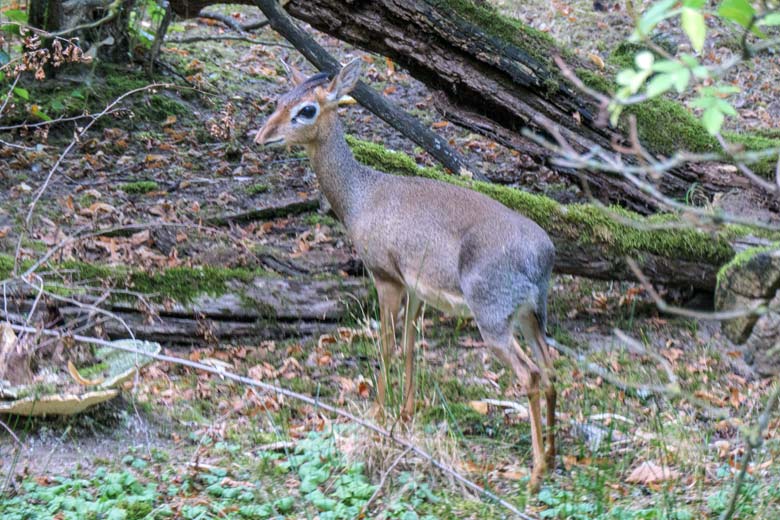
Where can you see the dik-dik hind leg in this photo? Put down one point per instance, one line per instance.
(541, 351)
(528, 376)
(390, 295)
(412, 312)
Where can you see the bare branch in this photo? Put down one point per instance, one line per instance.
(226, 37)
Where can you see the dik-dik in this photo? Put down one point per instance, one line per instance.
(428, 241)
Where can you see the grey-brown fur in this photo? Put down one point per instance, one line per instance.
(452, 247)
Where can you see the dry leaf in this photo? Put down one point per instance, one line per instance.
(440, 124)
(326, 339)
(596, 59)
(651, 473)
(480, 407)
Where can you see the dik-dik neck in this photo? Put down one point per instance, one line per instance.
(343, 180)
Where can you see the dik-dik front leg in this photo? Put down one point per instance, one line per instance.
(411, 314)
(390, 295)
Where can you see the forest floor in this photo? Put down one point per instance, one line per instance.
(188, 444)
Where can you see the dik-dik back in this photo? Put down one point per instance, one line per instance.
(434, 238)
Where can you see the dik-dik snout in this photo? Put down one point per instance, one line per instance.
(299, 112)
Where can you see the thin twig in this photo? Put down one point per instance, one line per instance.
(113, 10)
(55, 121)
(233, 24)
(228, 37)
(315, 402)
(670, 389)
(19, 146)
(11, 432)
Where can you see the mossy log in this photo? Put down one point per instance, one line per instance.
(189, 305)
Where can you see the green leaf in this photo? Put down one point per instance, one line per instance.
(689, 60)
(660, 84)
(656, 13)
(667, 66)
(10, 28)
(770, 19)
(704, 102)
(682, 77)
(712, 120)
(694, 4)
(644, 60)
(16, 15)
(725, 107)
(694, 26)
(739, 11)
(22, 93)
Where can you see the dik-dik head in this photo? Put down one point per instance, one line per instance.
(297, 114)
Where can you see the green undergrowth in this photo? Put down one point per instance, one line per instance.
(582, 223)
(139, 187)
(97, 87)
(182, 284)
(327, 486)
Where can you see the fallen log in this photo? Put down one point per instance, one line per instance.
(191, 305)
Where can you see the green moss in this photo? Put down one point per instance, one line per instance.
(664, 126)
(181, 284)
(455, 391)
(257, 188)
(185, 283)
(742, 258)
(667, 126)
(623, 55)
(755, 142)
(581, 223)
(538, 45)
(139, 187)
(326, 220)
(162, 106)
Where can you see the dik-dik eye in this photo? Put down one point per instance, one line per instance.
(306, 113)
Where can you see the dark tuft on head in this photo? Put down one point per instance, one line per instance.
(321, 78)
(317, 79)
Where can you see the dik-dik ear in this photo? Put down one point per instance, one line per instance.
(345, 81)
(294, 74)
